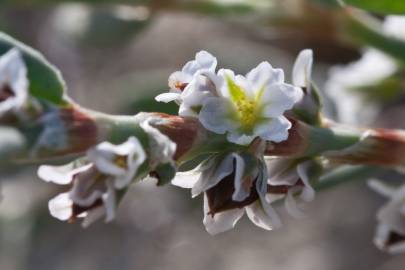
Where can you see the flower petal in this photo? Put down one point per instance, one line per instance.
(274, 129)
(216, 170)
(281, 171)
(220, 222)
(178, 79)
(13, 73)
(291, 204)
(240, 192)
(204, 61)
(239, 137)
(381, 188)
(261, 217)
(161, 148)
(264, 75)
(61, 175)
(308, 193)
(60, 207)
(214, 115)
(302, 69)
(186, 179)
(168, 97)
(109, 201)
(278, 98)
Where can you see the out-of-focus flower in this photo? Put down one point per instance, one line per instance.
(351, 106)
(251, 106)
(119, 161)
(92, 196)
(232, 185)
(390, 233)
(286, 172)
(13, 83)
(94, 180)
(189, 76)
(345, 83)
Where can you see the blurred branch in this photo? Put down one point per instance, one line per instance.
(347, 174)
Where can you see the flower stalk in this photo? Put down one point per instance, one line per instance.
(86, 128)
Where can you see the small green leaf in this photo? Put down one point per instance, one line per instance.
(45, 80)
(380, 6)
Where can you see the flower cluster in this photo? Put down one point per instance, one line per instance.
(242, 107)
(249, 110)
(238, 182)
(94, 180)
(98, 180)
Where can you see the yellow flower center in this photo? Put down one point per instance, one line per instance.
(246, 113)
(121, 161)
(246, 108)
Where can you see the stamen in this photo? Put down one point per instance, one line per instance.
(180, 85)
(121, 161)
(246, 111)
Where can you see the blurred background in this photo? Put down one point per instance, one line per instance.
(117, 57)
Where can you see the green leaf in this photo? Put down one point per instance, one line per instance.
(45, 80)
(380, 6)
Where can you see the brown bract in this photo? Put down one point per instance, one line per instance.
(296, 143)
(77, 210)
(5, 92)
(220, 196)
(81, 130)
(184, 131)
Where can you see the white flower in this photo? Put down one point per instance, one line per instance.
(251, 106)
(91, 193)
(94, 180)
(284, 171)
(196, 93)
(373, 67)
(180, 80)
(119, 161)
(219, 174)
(302, 70)
(13, 82)
(370, 69)
(390, 233)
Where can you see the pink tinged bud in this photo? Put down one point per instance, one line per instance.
(65, 131)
